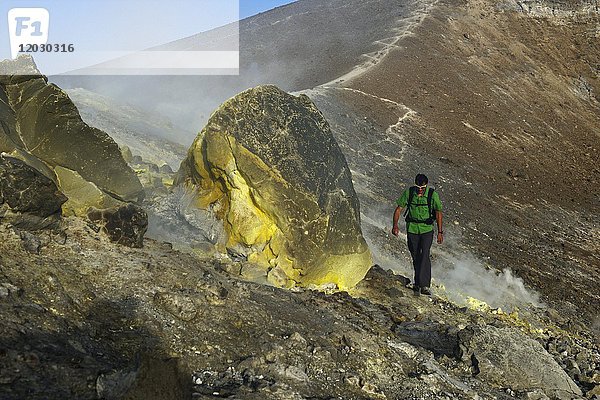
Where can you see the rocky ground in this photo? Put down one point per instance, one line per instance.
(85, 318)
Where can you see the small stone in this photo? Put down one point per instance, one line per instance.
(166, 169)
(536, 394)
(166, 246)
(6, 380)
(352, 380)
(277, 277)
(584, 366)
(594, 392)
(60, 238)
(595, 378)
(31, 243)
(571, 364)
(124, 225)
(32, 360)
(575, 374)
(297, 338)
(296, 373)
(553, 314)
(583, 355)
(373, 390)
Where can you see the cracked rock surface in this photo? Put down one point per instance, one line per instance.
(269, 167)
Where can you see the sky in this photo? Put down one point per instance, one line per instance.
(115, 25)
(252, 7)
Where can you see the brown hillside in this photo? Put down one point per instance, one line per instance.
(507, 111)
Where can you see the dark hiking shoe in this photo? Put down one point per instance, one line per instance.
(426, 291)
(416, 290)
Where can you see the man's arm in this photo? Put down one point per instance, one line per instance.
(397, 214)
(438, 218)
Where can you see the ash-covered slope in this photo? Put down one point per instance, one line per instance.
(150, 136)
(297, 46)
(502, 108)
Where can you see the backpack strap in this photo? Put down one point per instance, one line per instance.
(411, 195)
(430, 207)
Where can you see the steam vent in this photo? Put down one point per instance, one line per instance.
(269, 167)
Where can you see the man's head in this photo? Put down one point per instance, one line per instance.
(421, 180)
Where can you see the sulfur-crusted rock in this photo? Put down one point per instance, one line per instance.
(270, 168)
(28, 199)
(39, 117)
(124, 225)
(82, 194)
(8, 132)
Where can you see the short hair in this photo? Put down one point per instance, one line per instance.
(421, 180)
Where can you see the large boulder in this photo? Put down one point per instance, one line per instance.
(9, 139)
(269, 167)
(39, 118)
(28, 199)
(506, 357)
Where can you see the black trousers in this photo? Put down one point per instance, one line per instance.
(419, 247)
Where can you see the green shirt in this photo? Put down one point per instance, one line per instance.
(419, 212)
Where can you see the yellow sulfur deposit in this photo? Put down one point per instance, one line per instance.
(81, 193)
(476, 304)
(267, 165)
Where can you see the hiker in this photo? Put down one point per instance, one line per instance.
(423, 206)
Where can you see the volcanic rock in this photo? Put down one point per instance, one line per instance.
(441, 339)
(40, 118)
(267, 163)
(28, 199)
(82, 194)
(150, 378)
(507, 358)
(124, 225)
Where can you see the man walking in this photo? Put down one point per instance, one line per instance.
(423, 207)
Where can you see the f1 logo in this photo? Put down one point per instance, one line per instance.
(27, 26)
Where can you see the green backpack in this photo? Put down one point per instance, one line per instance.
(411, 195)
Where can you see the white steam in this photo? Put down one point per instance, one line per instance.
(456, 273)
(465, 276)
